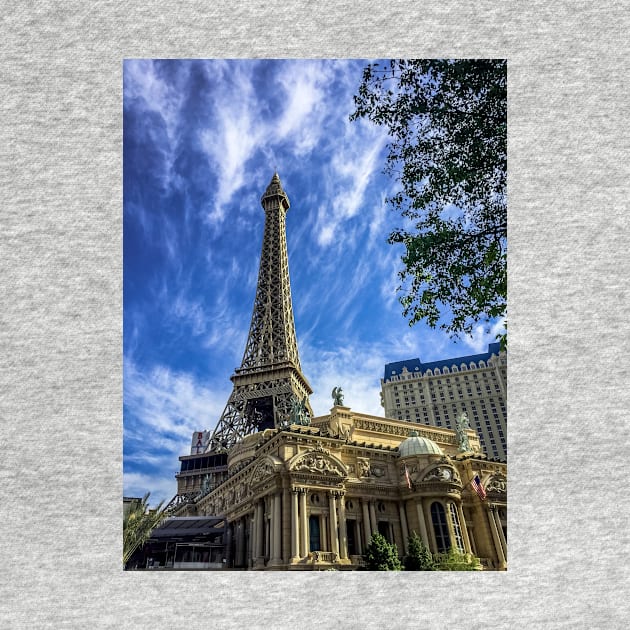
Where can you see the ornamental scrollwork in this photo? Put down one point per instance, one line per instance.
(497, 483)
(442, 473)
(378, 470)
(363, 467)
(263, 470)
(319, 463)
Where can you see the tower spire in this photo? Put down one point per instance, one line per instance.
(269, 385)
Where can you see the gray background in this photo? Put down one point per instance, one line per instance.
(61, 328)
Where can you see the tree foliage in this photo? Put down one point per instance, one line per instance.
(381, 556)
(447, 120)
(418, 558)
(138, 523)
(454, 560)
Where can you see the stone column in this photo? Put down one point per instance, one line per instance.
(252, 538)
(268, 509)
(424, 534)
(450, 525)
(403, 526)
(343, 532)
(295, 527)
(373, 523)
(357, 537)
(366, 522)
(259, 552)
(324, 533)
(228, 545)
(240, 543)
(431, 542)
(286, 525)
(334, 535)
(473, 542)
(303, 525)
(495, 537)
(253, 524)
(464, 528)
(276, 521)
(497, 520)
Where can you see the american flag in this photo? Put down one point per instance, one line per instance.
(479, 489)
(407, 477)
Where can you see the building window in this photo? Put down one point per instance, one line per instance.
(384, 530)
(459, 541)
(438, 516)
(313, 529)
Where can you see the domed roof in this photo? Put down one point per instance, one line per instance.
(415, 445)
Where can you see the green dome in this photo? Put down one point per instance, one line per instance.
(415, 445)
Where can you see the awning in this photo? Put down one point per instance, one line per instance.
(186, 527)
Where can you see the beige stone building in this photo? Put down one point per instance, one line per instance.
(438, 392)
(310, 497)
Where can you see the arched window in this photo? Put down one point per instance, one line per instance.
(313, 529)
(438, 516)
(459, 541)
(445, 370)
(454, 369)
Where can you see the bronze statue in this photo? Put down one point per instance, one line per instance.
(337, 396)
(461, 424)
(299, 412)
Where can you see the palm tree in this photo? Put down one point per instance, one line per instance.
(138, 523)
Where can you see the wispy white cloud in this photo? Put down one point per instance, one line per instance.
(161, 486)
(305, 85)
(164, 98)
(356, 371)
(192, 312)
(162, 409)
(232, 134)
(390, 281)
(168, 404)
(482, 335)
(354, 163)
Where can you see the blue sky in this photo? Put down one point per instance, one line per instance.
(201, 141)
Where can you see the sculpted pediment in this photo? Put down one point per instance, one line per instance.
(318, 461)
(441, 473)
(266, 468)
(496, 483)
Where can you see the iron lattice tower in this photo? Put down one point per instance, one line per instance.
(269, 385)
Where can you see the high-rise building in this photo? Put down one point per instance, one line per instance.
(305, 493)
(439, 392)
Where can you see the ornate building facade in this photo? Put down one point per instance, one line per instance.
(438, 392)
(305, 493)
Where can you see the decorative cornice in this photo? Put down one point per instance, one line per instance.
(391, 428)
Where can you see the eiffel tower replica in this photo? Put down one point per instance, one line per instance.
(270, 390)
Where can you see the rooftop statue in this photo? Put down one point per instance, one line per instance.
(299, 412)
(337, 396)
(461, 425)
